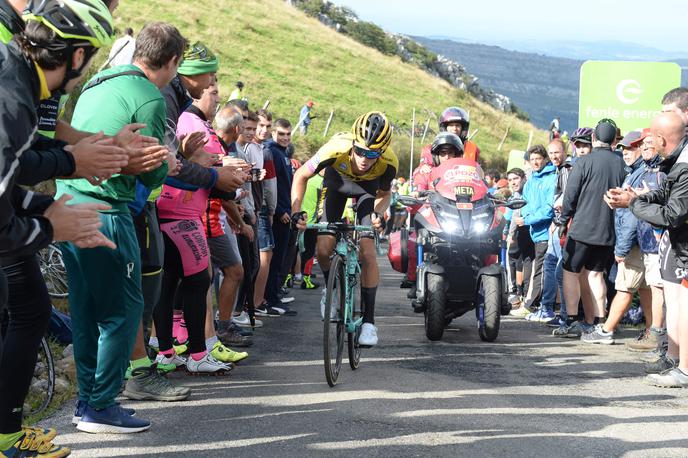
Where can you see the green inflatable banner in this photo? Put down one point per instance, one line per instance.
(630, 93)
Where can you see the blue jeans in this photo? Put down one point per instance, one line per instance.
(553, 277)
(266, 238)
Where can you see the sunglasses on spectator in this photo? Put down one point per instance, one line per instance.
(367, 153)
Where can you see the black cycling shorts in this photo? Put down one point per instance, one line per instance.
(578, 256)
(337, 189)
(150, 240)
(668, 265)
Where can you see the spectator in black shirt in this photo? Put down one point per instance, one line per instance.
(589, 223)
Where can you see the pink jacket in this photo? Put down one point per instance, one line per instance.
(175, 203)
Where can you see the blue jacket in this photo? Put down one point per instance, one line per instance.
(625, 223)
(284, 177)
(539, 193)
(654, 179)
(305, 116)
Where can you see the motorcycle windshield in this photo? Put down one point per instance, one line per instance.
(461, 223)
(460, 177)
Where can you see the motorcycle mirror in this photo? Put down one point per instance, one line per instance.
(515, 204)
(408, 201)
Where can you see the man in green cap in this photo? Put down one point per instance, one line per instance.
(194, 75)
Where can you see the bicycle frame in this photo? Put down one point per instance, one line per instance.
(346, 248)
(345, 257)
(349, 253)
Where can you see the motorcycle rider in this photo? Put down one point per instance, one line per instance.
(454, 120)
(447, 146)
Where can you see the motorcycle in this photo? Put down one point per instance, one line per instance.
(458, 231)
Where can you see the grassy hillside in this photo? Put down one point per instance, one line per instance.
(284, 56)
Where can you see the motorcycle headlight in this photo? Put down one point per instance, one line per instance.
(481, 221)
(449, 226)
(479, 228)
(449, 222)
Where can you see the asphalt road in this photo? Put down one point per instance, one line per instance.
(527, 394)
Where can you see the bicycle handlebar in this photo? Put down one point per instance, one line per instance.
(344, 227)
(339, 227)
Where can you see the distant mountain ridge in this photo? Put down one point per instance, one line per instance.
(542, 85)
(579, 50)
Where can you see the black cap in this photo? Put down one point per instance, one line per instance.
(605, 131)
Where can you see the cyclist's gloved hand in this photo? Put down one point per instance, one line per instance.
(377, 221)
(298, 221)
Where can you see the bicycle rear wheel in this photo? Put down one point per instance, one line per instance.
(54, 271)
(352, 337)
(42, 386)
(333, 322)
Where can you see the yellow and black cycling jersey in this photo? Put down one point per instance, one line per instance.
(336, 153)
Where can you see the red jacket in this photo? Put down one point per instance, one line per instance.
(471, 151)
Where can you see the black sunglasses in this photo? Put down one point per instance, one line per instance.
(367, 153)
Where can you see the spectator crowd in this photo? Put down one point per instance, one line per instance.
(162, 197)
(603, 231)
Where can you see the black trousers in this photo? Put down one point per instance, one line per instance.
(282, 233)
(29, 309)
(192, 289)
(250, 260)
(537, 277)
(289, 264)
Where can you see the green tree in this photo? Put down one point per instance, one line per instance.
(371, 35)
(311, 7)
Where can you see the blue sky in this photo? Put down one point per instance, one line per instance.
(661, 24)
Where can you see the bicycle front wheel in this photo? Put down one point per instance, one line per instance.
(333, 321)
(352, 339)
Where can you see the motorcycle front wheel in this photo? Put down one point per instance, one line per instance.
(435, 297)
(490, 290)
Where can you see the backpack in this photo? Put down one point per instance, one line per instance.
(60, 327)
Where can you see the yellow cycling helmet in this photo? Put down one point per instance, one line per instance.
(87, 21)
(372, 131)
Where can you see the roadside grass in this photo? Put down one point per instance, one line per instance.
(284, 56)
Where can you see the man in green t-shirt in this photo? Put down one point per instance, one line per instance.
(105, 285)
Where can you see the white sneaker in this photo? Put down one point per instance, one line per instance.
(244, 321)
(207, 365)
(368, 335)
(175, 359)
(286, 300)
(333, 310)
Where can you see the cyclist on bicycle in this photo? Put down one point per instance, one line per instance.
(357, 165)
